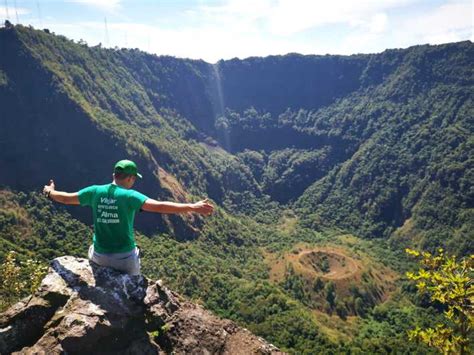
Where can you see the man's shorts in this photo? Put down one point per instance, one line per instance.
(128, 262)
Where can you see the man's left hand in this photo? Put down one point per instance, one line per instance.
(203, 207)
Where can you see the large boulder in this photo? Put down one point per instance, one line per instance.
(85, 308)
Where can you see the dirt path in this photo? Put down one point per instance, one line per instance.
(340, 265)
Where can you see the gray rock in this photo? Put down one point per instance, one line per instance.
(85, 308)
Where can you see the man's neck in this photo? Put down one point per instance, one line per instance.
(118, 183)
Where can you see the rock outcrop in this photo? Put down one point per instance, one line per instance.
(85, 308)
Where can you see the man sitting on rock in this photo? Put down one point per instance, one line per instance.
(114, 206)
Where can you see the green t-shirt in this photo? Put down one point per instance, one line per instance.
(113, 209)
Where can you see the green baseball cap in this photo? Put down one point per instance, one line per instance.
(127, 167)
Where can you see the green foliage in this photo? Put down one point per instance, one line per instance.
(449, 282)
(39, 229)
(19, 278)
(384, 330)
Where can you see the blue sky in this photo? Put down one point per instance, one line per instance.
(224, 29)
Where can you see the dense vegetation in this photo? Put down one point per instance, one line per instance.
(297, 151)
(224, 270)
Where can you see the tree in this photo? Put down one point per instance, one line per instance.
(359, 307)
(191, 284)
(325, 265)
(449, 282)
(318, 285)
(330, 289)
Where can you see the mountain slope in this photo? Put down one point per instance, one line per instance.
(414, 160)
(83, 112)
(380, 145)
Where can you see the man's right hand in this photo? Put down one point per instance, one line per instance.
(68, 198)
(48, 188)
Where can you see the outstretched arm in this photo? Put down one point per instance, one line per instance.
(201, 207)
(67, 198)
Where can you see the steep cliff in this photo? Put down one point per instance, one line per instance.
(85, 308)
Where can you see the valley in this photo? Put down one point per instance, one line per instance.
(323, 169)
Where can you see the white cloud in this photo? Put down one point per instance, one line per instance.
(289, 17)
(450, 22)
(12, 12)
(378, 23)
(204, 42)
(258, 28)
(265, 26)
(105, 5)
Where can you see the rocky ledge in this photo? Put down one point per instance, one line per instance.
(85, 308)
